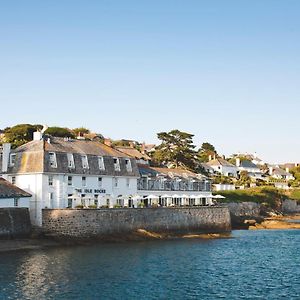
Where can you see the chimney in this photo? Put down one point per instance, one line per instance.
(287, 170)
(238, 162)
(107, 142)
(143, 151)
(37, 135)
(6, 147)
(271, 170)
(210, 157)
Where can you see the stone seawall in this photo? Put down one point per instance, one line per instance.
(106, 223)
(14, 223)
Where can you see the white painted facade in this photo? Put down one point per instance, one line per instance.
(58, 191)
(224, 187)
(14, 202)
(225, 170)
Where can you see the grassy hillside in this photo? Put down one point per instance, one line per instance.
(270, 196)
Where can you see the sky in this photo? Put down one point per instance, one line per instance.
(226, 71)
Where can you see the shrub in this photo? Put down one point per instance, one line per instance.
(93, 206)
(117, 206)
(79, 206)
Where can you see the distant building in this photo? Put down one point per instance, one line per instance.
(279, 173)
(140, 157)
(223, 187)
(222, 166)
(12, 196)
(252, 169)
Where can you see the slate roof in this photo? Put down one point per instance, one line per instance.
(34, 157)
(133, 152)
(248, 164)
(176, 172)
(220, 162)
(8, 190)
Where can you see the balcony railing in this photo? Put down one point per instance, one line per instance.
(158, 185)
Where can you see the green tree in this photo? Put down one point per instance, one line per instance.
(60, 132)
(176, 148)
(205, 151)
(80, 130)
(20, 134)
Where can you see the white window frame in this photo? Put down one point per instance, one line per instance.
(117, 166)
(100, 182)
(128, 182)
(101, 163)
(128, 165)
(16, 202)
(70, 180)
(83, 180)
(12, 159)
(50, 180)
(13, 179)
(85, 161)
(116, 182)
(71, 163)
(52, 160)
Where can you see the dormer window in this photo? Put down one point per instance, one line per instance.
(101, 163)
(128, 165)
(52, 160)
(12, 159)
(85, 163)
(117, 164)
(71, 163)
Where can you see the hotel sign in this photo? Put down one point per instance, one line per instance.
(91, 191)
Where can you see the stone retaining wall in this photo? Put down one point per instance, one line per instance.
(103, 223)
(290, 207)
(14, 223)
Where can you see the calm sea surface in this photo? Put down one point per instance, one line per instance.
(251, 265)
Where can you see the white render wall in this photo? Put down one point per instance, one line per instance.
(10, 202)
(225, 170)
(38, 186)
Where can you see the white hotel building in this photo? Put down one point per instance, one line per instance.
(61, 173)
(70, 173)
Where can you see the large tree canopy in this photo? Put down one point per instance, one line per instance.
(60, 132)
(176, 148)
(20, 134)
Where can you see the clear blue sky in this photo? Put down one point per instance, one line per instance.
(227, 71)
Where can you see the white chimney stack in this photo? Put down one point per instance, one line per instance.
(6, 147)
(238, 161)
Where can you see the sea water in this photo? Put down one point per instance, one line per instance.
(262, 264)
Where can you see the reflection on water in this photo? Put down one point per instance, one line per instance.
(253, 265)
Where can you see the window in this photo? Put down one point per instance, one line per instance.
(128, 182)
(16, 202)
(83, 179)
(71, 163)
(99, 181)
(101, 163)
(96, 200)
(13, 179)
(51, 196)
(70, 201)
(12, 159)
(117, 164)
(128, 165)
(116, 182)
(50, 180)
(70, 180)
(52, 160)
(85, 163)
